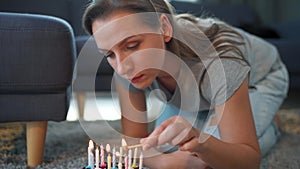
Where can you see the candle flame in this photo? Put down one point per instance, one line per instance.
(91, 144)
(108, 148)
(118, 154)
(124, 144)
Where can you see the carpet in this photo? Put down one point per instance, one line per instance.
(66, 143)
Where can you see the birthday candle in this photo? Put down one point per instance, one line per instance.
(134, 158)
(90, 154)
(102, 164)
(97, 157)
(108, 156)
(129, 158)
(120, 157)
(141, 161)
(126, 162)
(114, 158)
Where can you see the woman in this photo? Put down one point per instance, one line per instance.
(221, 86)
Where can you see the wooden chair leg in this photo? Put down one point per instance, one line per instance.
(81, 97)
(36, 136)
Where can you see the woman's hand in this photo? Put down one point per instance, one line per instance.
(177, 159)
(176, 131)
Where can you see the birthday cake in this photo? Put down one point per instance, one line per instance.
(128, 157)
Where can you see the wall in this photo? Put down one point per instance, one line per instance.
(276, 10)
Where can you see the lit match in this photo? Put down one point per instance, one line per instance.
(125, 146)
(134, 146)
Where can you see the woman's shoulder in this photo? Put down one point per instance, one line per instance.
(253, 43)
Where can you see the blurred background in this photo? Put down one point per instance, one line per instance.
(269, 11)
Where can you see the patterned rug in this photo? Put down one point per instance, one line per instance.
(290, 121)
(67, 148)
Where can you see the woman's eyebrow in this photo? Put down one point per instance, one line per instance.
(127, 39)
(118, 44)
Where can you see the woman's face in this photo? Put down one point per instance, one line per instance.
(134, 49)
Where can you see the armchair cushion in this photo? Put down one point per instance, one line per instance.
(36, 67)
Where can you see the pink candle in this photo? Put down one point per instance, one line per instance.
(102, 164)
(126, 162)
(114, 157)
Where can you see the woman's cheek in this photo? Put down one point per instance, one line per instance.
(112, 64)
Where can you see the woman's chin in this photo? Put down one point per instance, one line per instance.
(143, 82)
(140, 86)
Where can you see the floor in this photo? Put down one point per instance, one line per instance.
(101, 102)
(102, 106)
(293, 99)
(13, 151)
(105, 106)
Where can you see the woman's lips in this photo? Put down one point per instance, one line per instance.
(137, 79)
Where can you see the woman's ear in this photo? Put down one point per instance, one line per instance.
(166, 27)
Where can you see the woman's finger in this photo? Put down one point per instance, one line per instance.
(182, 137)
(170, 133)
(166, 132)
(191, 145)
(164, 125)
(152, 139)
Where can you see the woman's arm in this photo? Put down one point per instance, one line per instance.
(134, 116)
(238, 147)
(177, 159)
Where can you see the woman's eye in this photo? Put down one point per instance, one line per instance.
(132, 45)
(108, 55)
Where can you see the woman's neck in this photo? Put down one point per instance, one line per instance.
(167, 81)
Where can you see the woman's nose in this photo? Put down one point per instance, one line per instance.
(124, 67)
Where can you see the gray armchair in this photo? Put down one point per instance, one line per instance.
(36, 66)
